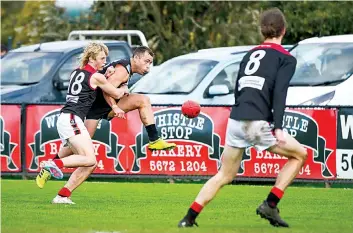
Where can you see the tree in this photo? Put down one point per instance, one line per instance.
(9, 15)
(175, 28)
(311, 18)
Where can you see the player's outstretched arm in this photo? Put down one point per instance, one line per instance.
(284, 75)
(99, 80)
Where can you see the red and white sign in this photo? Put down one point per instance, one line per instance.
(10, 125)
(121, 145)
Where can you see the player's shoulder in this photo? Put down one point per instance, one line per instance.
(275, 52)
(98, 76)
(273, 49)
(123, 62)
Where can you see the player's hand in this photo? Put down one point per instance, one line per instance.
(126, 90)
(121, 92)
(118, 112)
(109, 72)
(279, 134)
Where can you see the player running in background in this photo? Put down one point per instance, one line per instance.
(260, 97)
(122, 70)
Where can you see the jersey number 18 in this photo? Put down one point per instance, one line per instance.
(75, 86)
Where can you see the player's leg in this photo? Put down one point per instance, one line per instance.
(79, 175)
(65, 151)
(44, 175)
(72, 129)
(231, 159)
(296, 155)
(84, 157)
(143, 105)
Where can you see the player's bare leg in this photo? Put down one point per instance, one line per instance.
(81, 173)
(143, 105)
(66, 151)
(84, 156)
(44, 175)
(231, 158)
(296, 155)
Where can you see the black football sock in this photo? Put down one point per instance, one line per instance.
(274, 197)
(152, 132)
(194, 211)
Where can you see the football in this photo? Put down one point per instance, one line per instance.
(190, 109)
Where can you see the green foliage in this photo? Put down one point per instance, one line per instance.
(9, 15)
(311, 18)
(174, 28)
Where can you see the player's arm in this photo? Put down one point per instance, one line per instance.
(284, 75)
(116, 79)
(236, 92)
(99, 80)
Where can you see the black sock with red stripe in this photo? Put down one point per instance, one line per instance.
(152, 132)
(194, 211)
(274, 197)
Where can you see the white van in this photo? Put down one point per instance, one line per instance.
(324, 73)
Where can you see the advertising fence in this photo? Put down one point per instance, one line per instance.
(29, 135)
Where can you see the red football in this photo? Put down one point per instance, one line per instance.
(190, 109)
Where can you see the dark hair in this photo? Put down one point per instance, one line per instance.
(4, 48)
(141, 50)
(272, 22)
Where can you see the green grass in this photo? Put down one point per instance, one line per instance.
(157, 208)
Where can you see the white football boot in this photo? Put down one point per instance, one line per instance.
(62, 200)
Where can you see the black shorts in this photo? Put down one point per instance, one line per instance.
(100, 108)
(97, 113)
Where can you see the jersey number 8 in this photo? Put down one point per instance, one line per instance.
(254, 62)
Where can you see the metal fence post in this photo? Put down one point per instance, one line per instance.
(23, 140)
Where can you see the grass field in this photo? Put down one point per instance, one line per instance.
(157, 208)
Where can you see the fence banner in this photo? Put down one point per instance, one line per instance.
(10, 124)
(199, 142)
(316, 130)
(344, 159)
(43, 141)
(121, 145)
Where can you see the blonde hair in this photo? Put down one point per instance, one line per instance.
(92, 50)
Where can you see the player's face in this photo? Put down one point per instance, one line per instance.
(144, 62)
(100, 61)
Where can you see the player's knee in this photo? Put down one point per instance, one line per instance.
(94, 165)
(144, 100)
(91, 162)
(224, 178)
(302, 154)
